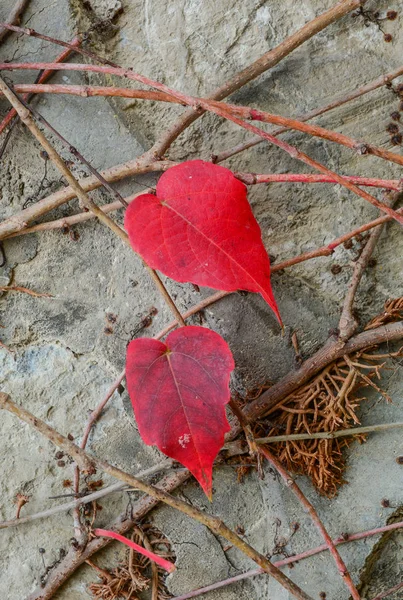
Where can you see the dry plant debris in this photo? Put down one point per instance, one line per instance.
(136, 574)
(329, 402)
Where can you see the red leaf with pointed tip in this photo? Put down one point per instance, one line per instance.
(199, 228)
(179, 391)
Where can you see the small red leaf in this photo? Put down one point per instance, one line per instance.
(199, 228)
(179, 391)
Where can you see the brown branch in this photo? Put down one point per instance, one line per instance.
(213, 523)
(332, 350)
(228, 112)
(265, 62)
(343, 539)
(43, 77)
(25, 116)
(138, 166)
(315, 518)
(348, 323)
(369, 87)
(13, 17)
(75, 559)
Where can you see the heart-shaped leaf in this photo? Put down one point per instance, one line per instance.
(199, 228)
(179, 391)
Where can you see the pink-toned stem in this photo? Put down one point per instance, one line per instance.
(295, 153)
(388, 592)
(13, 17)
(165, 564)
(315, 518)
(369, 87)
(252, 179)
(249, 179)
(44, 77)
(87, 91)
(291, 560)
(228, 112)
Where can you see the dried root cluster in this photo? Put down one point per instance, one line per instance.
(329, 402)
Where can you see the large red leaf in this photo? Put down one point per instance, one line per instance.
(179, 391)
(200, 228)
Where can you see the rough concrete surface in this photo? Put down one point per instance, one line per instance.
(63, 361)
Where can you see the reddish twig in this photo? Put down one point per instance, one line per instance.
(44, 77)
(365, 89)
(315, 518)
(362, 148)
(89, 91)
(347, 322)
(23, 290)
(343, 539)
(13, 18)
(26, 117)
(388, 592)
(252, 179)
(265, 62)
(226, 112)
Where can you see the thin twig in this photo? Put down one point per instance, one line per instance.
(348, 323)
(20, 221)
(329, 435)
(115, 487)
(388, 592)
(254, 178)
(24, 290)
(344, 539)
(89, 91)
(229, 111)
(315, 518)
(369, 87)
(44, 76)
(214, 523)
(252, 71)
(13, 18)
(26, 118)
